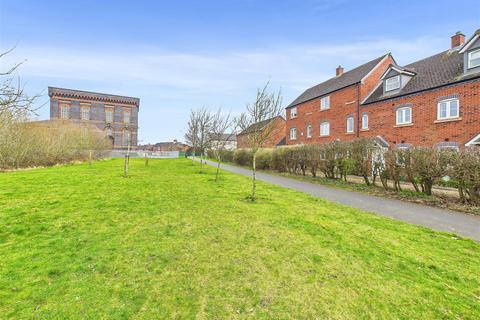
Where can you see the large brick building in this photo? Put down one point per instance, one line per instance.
(431, 102)
(117, 116)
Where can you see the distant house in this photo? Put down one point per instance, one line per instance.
(277, 136)
(229, 139)
(165, 146)
(116, 116)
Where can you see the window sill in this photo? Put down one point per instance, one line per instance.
(293, 118)
(309, 137)
(326, 136)
(366, 129)
(447, 120)
(349, 133)
(325, 109)
(308, 113)
(403, 125)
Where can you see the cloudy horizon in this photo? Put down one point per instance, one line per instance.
(172, 79)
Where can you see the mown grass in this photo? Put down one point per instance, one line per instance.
(81, 242)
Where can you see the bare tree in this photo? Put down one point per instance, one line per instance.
(267, 106)
(13, 99)
(198, 133)
(191, 136)
(222, 130)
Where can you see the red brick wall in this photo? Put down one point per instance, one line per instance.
(373, 79)
(342, 104)
(276, 136)
(425, 130)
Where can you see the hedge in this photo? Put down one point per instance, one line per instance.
(422, 167)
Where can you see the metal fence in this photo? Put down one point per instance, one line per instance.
(143, 154)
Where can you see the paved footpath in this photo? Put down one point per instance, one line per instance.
(436, 218)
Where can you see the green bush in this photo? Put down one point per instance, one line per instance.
(242, 157)
(264, 159)
(422, 167)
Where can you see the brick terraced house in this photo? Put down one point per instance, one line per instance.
(276, 136)
(431, 102)
(117, 116)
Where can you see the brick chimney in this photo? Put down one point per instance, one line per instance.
(458, 39)
(339, 70)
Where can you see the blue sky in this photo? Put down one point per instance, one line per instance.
(179, 55)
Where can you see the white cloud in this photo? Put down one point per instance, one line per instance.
(169, 83)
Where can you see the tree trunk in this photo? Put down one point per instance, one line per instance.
(254, 181)
(218, 169)
(367, 182)
(461, 194)
(412, 180)
(428, 187)
(125, 169)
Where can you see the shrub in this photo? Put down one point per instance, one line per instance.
(464, 167)
(362, 151)
(278, 160)
(264, 159)
(242, 157)
(428, 165)
(29, 144)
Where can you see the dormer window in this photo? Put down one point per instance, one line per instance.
(474, 59)
(392, 83)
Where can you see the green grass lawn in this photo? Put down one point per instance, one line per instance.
(80, 242)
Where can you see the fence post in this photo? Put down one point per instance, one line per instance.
(146, 159)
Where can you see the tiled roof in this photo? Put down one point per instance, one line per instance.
(435, 71)
(346, 79)
(96, 96)
(225, 137)
(259, 125)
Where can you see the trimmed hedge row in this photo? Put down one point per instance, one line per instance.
(422, 167)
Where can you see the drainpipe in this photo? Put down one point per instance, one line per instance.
(358, 109)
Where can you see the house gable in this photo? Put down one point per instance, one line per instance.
(471, 47)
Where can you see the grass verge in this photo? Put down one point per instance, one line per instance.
(82, 242)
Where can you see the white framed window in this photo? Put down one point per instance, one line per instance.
(126, 116)
(324, 128)
(325, 103)
(293, 133)
(350, 125)
(109, 132)
(309, 131)
(448, 109)
(392, 83)
(109, 115)
(293, 112)
(64, 111)
(474, 59)
(85, 114)
(404, 115)
(365, 121)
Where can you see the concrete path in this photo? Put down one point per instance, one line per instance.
(438, 219)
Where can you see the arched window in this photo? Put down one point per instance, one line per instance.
(109, 132)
